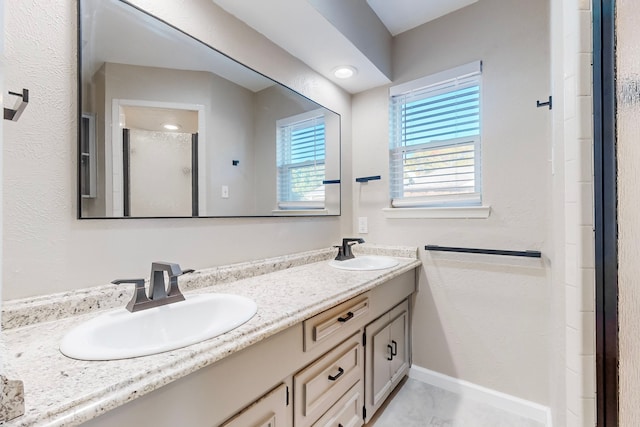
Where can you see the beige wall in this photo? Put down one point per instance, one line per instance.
(479, 318)
(628, 70)
(46, 248)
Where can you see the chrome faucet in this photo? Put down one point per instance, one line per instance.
(158, 292)
(344, 251)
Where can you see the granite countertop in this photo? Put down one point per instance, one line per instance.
(60, 391)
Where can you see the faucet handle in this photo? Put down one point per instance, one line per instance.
(139, 295)
(174, 290)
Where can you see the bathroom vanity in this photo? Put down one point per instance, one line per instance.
(326, 347)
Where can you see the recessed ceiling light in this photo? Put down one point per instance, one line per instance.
(170, 126)
(345, 71)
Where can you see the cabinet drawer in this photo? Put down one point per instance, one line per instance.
(320, 385)
(269, 411)
(347, 412)
(337, 323)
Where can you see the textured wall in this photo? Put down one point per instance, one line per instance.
(628, 75)
(46, 248)
(482, 319)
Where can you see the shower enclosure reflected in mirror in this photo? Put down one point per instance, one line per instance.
(170, 127)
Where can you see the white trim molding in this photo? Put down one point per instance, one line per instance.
(503, 401)
(478, 212)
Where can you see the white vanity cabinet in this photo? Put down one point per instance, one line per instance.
(312, 374)
(387, 355)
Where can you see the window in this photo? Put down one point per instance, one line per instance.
(435, 140)
(301, 156)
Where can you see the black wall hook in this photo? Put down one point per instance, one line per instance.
(544, 104)
(14, 114)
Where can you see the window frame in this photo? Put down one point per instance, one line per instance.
(448, 81)
(288, 122)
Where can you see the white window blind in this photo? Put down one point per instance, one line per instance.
(435, 140)
(300, 161)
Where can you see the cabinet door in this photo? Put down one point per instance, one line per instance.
(378, 356)
(399, 337)
(386, 356)
(269, 411)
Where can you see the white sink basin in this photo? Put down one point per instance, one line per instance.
(365, 262)
(120, 334)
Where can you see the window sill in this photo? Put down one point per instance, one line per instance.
(467, 212)
(300, 212)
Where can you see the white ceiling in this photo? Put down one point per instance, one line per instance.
(309, 37)
(314, 40)
(154, 119)
(402, 15)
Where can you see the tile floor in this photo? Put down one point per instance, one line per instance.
(416, 404)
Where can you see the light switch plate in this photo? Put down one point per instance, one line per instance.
(225, 192)
(363, 227)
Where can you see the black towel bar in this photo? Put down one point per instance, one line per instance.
(527, 254)
(368, 178)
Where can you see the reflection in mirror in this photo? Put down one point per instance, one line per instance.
(172, 128)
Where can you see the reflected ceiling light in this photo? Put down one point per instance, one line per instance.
(171, 126)
(344, 71)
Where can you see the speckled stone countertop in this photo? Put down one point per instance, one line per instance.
(60, 391)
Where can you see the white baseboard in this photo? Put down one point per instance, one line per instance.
(506, 402)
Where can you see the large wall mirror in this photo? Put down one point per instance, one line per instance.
(170, 127)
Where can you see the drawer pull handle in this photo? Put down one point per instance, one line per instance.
(390, 357)
(346, 318)
(394, 351)
(336, 376)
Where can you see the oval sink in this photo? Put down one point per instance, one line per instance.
(120, 334)
(365, 262)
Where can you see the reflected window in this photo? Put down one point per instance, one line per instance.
(301, 161)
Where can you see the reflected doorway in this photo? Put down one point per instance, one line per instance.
(157, 159)
(160, 173)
